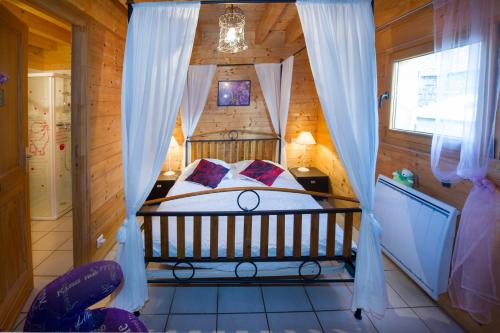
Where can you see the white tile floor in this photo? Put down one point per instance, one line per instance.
(224, 309)
(52, 249)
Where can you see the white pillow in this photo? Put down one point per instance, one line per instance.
(190, 168)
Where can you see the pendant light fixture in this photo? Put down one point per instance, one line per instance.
(232, 31)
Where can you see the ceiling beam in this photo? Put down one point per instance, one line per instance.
(41, 13)
(41, 42)
(268, 20)
(293, 30)
(198, 37)
(39, 25)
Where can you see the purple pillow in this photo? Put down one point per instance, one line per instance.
(263, 172)
(208, 174)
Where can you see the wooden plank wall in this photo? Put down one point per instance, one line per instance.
(107, 43)
(328, 161)
(303, 113)
(402, 25)
(253, 118)
(106, 29)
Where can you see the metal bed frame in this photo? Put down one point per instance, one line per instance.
(231, 148)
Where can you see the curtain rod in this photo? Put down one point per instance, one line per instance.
(215, 2)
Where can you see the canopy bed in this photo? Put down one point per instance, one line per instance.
(241, 221)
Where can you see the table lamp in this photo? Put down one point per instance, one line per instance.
(305, 139)
(173, 144)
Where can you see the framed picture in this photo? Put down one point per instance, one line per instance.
(233, 93)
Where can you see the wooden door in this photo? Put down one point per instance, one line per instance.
(16, 276)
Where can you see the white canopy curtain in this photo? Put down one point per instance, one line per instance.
(198, 84)
(159, 42)
(466, 104)
(276, 83)
(340, 43)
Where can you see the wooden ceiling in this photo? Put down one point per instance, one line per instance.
(272, 31)
(49, 37)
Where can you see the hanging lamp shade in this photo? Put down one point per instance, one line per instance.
(232, 31)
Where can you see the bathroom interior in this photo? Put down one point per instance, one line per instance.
(49, 137)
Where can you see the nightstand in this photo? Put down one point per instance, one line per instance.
(313, 180)
(162, 186)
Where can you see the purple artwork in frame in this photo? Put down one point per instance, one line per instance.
(234, 93)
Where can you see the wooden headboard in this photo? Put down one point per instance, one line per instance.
(230, 148)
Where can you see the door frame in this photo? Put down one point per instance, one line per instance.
(80, 120)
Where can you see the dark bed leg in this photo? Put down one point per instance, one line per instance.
(357, 314)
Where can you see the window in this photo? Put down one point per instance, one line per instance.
(415, 105)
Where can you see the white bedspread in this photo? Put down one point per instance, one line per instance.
(227, 201)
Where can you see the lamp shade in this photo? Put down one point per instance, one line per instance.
(173, 143)
(305, 138)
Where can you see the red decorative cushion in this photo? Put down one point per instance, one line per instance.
(262, 171)
(208, 174)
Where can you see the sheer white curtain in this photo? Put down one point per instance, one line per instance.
(276, 81)
(340, 43)
(198, 84)
(466, 87)
(286, 89)
(158, 48)
(466, 103)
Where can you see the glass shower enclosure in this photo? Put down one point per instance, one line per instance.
(49, 150)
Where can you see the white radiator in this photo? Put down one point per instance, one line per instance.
(418, 233)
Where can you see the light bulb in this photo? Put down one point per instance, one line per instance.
(231, 35)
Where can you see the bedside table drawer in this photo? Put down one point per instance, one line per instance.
(316, 184)
(160, 189)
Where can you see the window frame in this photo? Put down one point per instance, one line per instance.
(399, 137)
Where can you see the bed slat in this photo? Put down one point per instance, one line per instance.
(264, 236)
(330, 234)
(148, 237)
(197, 237)
(297, 235)
(164, 236)
(347, 243)
(214, 237)
(280, 236)
(313, 250)
(247, 237)
(181, 237)
(231, 232)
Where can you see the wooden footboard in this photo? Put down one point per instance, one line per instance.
(247, 217)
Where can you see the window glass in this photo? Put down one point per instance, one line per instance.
(415, 95)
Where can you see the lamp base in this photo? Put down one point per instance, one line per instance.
(169, 173)
(303, 169)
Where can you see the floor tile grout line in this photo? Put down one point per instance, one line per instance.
(32, 245)
(371, 321)
(393, 289)
(314, 310)
(170, 309)
(52, 252)
(265, 308)
(217, 310)
(423, 321)
(41, 262)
